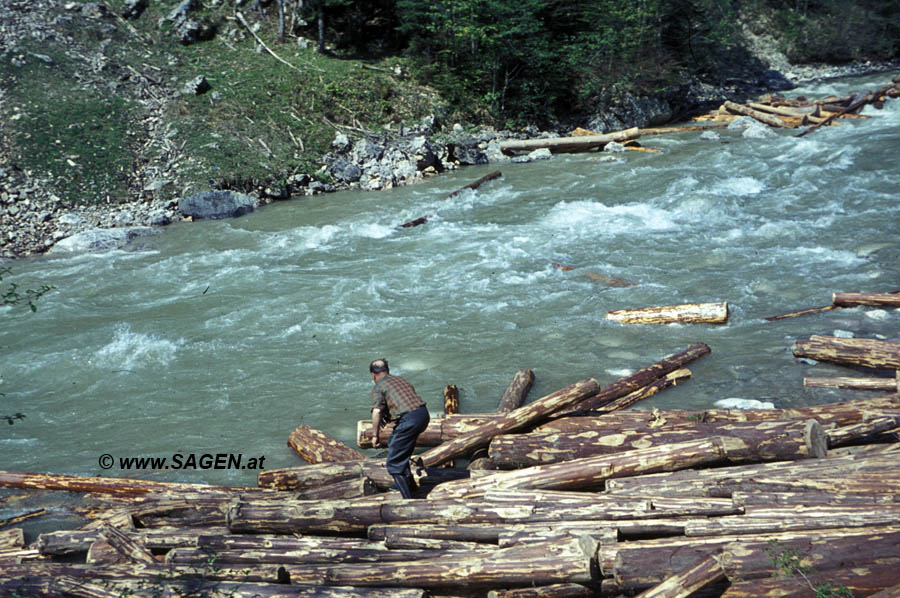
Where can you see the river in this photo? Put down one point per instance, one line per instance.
(223, 336)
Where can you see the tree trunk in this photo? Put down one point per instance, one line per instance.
(65, 542)
(767, 521)
(688, 581)
(888, 384)
(315, 446)
(116, 486)
(860, 581)
(517, 419)
(311, 476)
(569, 144)
(874, 299)
(763, 441)
(559, 590)
(128, 546)
(825, 551)
(853, 351)
(592, 472)
(547, 563)
(515, 394)
(864, 431)
(670, 379)
(708, 313)
(785, 499)
(352, 488)
(768, 119)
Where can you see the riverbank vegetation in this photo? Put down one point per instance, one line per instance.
(96, 107)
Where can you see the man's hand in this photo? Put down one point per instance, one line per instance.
(376, 427)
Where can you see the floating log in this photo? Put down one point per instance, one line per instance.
(709, 313)
(859, 101)
(315, 446)
(569, 144)
(418, 221)
(686, 582)
(599, 402)
(475, 184)
(888, 384)
(763, 441)
(803, 312)
(870, 299)
(515, 394)
(592, 472)
(853, 351)
(768, 119)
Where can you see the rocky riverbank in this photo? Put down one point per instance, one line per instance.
(34, 219)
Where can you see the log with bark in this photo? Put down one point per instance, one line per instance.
(542, 564)
(117, 486)
(859, 581)
(763, 441)
(66, 542)
(473, 185)
(870, 299)
(314, 446)
(709, 313)
(560, 590)
(593, 472)
(685, 583)
(850, 383)
(515, 394)
(851, 351)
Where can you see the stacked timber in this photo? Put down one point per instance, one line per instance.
(585, 497)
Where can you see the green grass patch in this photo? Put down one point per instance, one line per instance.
(75, 136)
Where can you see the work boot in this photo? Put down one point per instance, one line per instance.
(402, 484)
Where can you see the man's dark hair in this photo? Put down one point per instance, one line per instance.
(378, 366)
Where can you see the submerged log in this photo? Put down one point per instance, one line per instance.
(515, 394)
(709, 313)
(315, 446)
(569, 144)
(475, 184)
(762, 441)
(853, 351)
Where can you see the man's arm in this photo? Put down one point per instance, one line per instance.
(376, 427)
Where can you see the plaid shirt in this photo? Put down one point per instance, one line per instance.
(394, 396)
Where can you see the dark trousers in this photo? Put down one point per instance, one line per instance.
(403, 440)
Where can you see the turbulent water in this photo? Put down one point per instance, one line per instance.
(222, 337)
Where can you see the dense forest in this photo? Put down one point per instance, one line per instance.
(515, 59)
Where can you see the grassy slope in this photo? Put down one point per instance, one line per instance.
(271, 119)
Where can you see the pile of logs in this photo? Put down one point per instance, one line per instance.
(789, 113)
(772, 110)
(575, 496)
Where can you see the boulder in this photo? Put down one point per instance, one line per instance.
(342, 169)
(101, 239)
(467, 152)
(211, 205)
(196, 86)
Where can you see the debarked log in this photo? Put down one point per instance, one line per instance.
(315, 446)
(545, 563)
(569, 144)
(762, 441)
(593, 472)
(709, 313)
(854, 351)
(775, 499)
(769, 119)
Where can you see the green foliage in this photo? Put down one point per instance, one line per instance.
(789, 562)
(12, 296)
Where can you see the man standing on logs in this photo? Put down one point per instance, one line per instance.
(395, 399)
